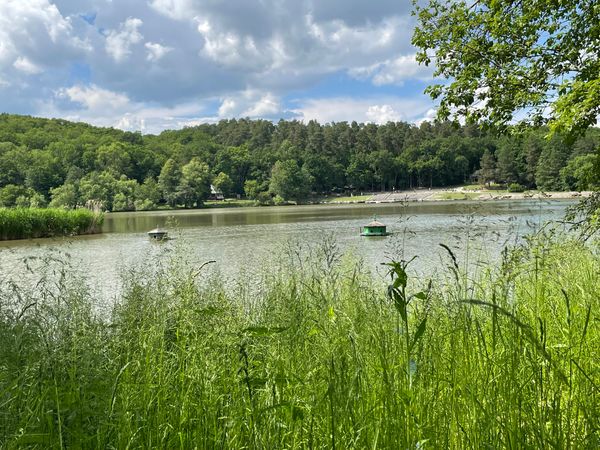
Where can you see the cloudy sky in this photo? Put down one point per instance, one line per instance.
(150, 65)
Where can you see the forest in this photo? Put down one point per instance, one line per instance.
(57, 163)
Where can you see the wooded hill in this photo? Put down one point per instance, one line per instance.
(61, 163)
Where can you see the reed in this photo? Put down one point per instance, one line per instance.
(326, 357)
(25, 223)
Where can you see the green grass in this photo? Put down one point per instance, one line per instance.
(25, 223)
(323, 356)
(355, 198)
(473, 187)
(456, 195)
(229, 203)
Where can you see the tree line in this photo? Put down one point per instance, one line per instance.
(59, 163)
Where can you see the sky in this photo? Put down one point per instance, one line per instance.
(151, 65)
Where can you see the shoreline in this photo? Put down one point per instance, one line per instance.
(461, 194)
(414, 196)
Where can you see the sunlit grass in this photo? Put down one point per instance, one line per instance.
(456, 195)
(348, 199)
(24, 223)
(322, 356)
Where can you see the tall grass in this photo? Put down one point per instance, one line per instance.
(326, 358)
(25, 223)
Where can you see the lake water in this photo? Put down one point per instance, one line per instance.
(246, 239)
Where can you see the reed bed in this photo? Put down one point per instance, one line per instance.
(26, 223)
(326, 357)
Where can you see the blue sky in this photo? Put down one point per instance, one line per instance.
(151, 65)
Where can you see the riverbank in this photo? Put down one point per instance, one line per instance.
(421, 195)
(459, 193)
(27, 223)
(322, 356)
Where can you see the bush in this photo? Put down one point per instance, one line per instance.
(264, 198)
(278, 200)
(145, 205)
(516, 187)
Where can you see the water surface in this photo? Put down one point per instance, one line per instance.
(245, 239)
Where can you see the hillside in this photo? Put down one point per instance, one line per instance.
(61, 163)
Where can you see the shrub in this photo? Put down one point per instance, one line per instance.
(516, 187)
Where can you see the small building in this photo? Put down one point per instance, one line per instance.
(215, 194)
(375, 228)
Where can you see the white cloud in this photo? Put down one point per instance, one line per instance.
(131, 122)
(103, 107)
(228, 48)
(382, 114)
(373, 109)
(33, 35)
(336, 35)
(95, 98)
(25, 65)
(156, 51)
(174, 9)
(266, 106)
(169, 63)
(118, 43)
(250, 103)
(393, 71)
(429, 116)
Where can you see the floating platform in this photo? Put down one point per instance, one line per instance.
(158, 234)
(375, 228)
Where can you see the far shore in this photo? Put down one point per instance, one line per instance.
(459, 193)
(415, 195)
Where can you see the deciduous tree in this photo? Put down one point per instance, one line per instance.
(505, 56)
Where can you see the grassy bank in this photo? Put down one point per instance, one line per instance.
(322, 357)
(347, 199)
(25, 223)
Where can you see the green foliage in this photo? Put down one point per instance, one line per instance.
(10, 194)
(117, 170)
(168, 182)
(264, 198)
(585, 216)
(252, 189)
(552, 160)
(223, 183)
(503, 57)
(98, 188)
(147, 195)
(321, 356)
(65, 196)
(194, 187)
(515, 187)
(289, 181)
(488, 172)
(581, 173)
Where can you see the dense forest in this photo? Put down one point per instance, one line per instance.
(59, 163)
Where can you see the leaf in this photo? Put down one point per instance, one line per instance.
(420, 295)
(419, 332)
(331, 314)
(401, 277)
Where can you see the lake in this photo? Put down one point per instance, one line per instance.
(248, 239)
